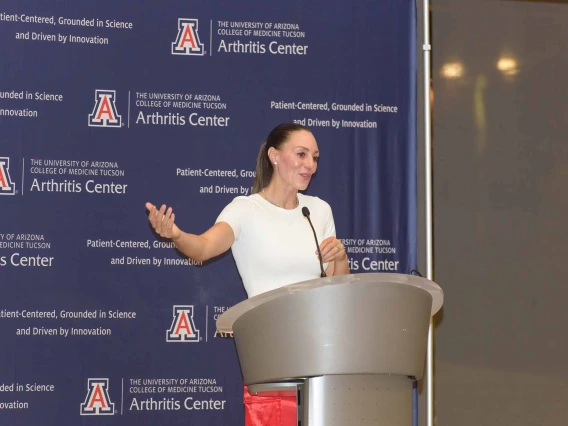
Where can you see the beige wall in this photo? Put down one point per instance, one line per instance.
(501, 211)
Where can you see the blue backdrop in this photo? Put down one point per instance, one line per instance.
(106, 105)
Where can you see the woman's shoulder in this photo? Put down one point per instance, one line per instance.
(313, 202)
(245, 201)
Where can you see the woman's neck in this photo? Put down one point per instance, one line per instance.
(285, 196)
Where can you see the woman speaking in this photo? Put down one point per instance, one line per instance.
(271, 240)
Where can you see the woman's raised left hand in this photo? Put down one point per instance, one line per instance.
(332, 249)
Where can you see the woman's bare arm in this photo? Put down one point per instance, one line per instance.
(216, 240)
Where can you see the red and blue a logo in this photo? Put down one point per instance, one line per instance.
(97, 402)
(104, 114)
(7, 187)
(183, 327)
(187, 40)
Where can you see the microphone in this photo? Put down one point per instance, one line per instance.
(306, 213)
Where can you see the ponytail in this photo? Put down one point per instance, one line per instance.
(264, 169)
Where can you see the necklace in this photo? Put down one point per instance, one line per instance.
(276, 204)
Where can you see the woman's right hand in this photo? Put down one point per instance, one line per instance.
(163, 221)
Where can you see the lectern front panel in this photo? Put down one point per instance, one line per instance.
(340, 329)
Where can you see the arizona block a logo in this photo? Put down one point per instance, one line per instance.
(187, 40)
(97, 402)
(183, 327)
(104, 113)
(7, 187)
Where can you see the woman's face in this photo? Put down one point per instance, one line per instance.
(297, 159)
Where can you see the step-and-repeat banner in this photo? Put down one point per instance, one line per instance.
(105, 105)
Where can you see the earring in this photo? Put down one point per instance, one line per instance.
(275, 162)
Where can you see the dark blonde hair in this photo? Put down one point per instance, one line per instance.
(275, 139)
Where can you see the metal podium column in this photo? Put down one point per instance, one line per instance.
(361, 400)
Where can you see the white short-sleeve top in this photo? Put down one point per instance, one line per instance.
(273, 246)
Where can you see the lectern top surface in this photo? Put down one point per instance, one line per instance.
(225, 322)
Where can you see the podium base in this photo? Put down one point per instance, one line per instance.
(361, 400)
(342, 400)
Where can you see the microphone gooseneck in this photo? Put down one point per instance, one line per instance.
(306, 213)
